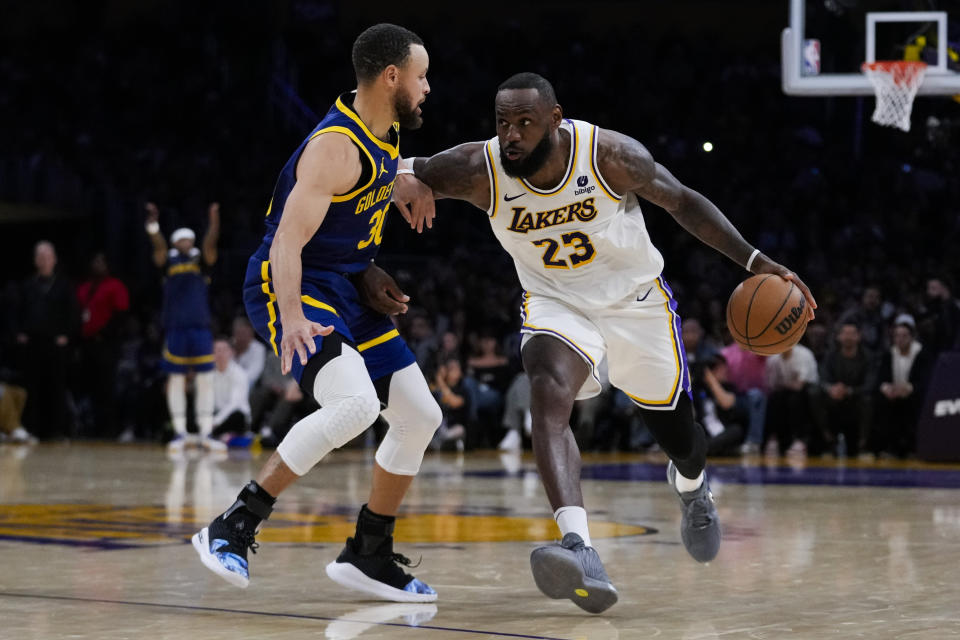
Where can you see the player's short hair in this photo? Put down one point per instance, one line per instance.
(530, 80)
(380, 46)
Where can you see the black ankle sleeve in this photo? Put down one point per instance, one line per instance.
(257, 500)
(375, 525)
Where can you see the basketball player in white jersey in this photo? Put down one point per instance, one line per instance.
(562, 200)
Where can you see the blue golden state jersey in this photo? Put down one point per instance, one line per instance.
(352, 230)
(185, 301)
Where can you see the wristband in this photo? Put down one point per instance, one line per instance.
(153, 227)
(402, 171)
(753, 256)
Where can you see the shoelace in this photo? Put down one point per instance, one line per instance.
(244, 540)
(701, 514)
(399, 558)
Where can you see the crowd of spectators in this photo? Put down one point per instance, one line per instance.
(145, 109)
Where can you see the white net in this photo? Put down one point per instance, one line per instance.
(896, 85)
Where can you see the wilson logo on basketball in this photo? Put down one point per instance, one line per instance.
(791, 318)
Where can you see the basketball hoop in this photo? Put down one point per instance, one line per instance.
(895, 84)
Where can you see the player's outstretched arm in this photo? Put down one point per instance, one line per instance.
(329, 165)
(627, 166)
(459, 173)
(156, 238)
(413, 199)
(212, 235)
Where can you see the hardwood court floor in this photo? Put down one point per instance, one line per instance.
(94, 544)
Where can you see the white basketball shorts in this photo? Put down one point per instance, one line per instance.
(640, 337)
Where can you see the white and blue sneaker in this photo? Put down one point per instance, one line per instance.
(378, 574)
(223, 544)
(223, 550)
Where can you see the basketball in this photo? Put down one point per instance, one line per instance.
(767, 314)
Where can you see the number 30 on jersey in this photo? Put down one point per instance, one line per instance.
(376, 228)
(583, 251)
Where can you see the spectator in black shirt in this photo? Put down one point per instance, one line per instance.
(46, 323)
(848, 377)
(450, 393)
(488, 376)
(715, 403)
(869, 317)
(939, 326)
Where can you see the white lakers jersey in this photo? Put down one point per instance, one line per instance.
(580, 241)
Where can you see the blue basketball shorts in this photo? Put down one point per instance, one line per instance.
(328, 298)
(186, 349)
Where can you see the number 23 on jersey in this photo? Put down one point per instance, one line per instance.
(583, 250)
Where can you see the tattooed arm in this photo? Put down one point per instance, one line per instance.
(627, 166)
(459, 173)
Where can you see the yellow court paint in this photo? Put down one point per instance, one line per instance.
(130, 525)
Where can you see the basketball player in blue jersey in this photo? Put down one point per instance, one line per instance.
(324, 227)
(562, 198)
(188, 340)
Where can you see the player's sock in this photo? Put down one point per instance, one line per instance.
(573, 520)
(177, 403)
(204, 387)
(685, 485)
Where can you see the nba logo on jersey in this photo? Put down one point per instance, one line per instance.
(811, 57)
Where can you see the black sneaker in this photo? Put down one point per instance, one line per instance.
(222, 547)
(378, 574)
(573, 570)
(223, 544)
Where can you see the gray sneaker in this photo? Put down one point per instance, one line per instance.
(700, 526)
(573, 570)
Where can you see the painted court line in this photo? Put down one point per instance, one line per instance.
(298, 616)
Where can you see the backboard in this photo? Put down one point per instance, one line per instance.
(827, 40)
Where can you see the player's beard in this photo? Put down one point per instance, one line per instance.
(526, 167)
(406, 110)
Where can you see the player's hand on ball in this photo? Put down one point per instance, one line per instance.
(415, 200)
(379, 291)
(763, 264)
(298, 335)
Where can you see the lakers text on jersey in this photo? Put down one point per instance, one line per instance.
(591, 275)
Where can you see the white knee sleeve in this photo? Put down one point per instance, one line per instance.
(177, 402)
(414, 416)
(348, 405)
(203, 383)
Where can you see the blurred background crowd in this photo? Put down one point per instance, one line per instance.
(105, 109)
